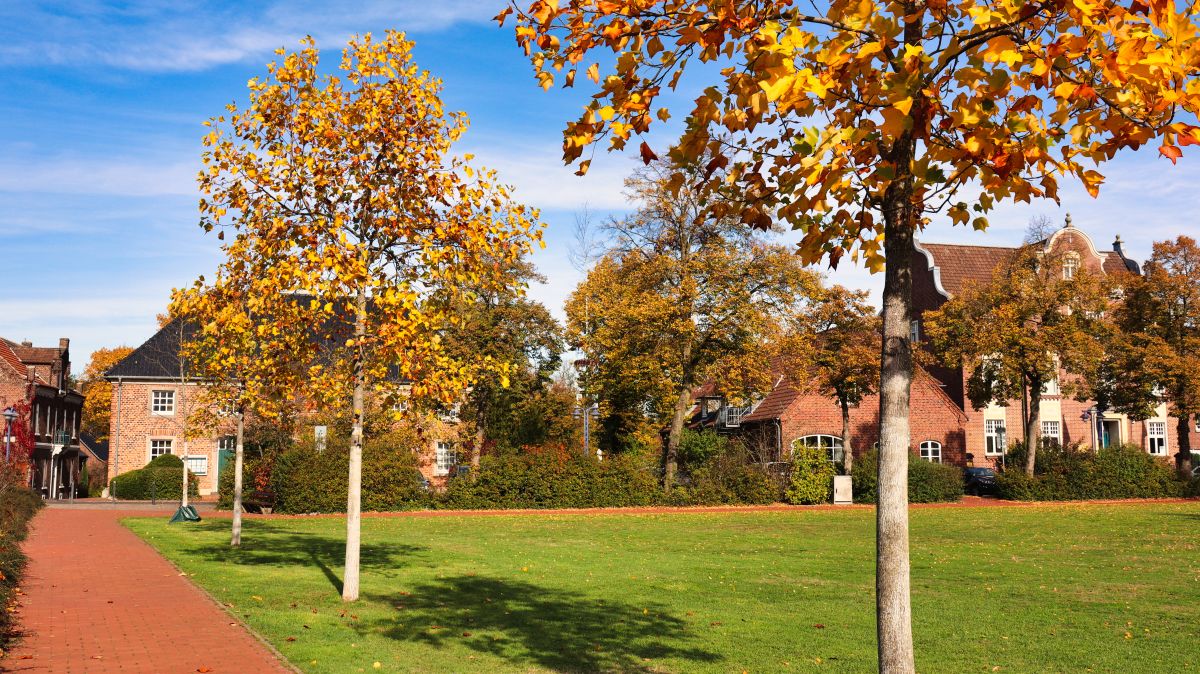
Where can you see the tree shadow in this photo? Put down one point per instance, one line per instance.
(530, 625)
(267, 544)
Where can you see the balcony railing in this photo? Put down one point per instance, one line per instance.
(731, 417)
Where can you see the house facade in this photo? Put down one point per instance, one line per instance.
(35, 384)
(154, 399)
(940, 271)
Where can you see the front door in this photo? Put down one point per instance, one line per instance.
(1110, 432)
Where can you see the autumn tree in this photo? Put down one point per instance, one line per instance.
(243, 350)
(497, 324)
(679, 294)
(854, 122)
(1013, 334)
(1157, 341)
(342, 188)
(835, 341)
(97, 391)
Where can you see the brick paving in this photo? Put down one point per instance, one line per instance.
(97, 600)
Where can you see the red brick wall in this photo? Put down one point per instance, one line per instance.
(934, 417)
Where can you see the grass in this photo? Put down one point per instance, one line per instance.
(1043, 589)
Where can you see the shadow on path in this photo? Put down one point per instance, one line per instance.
(531, 625)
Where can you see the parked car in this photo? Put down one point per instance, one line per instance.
(979, 481)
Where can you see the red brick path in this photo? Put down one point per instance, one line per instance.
(98, 600)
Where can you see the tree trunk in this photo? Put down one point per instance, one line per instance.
(847, 448)
(1033, 425)
(1183, 460)
(671, 452)
(238, 456)
(480, 437)
(354, 491)
(183, 500)
(892, 583)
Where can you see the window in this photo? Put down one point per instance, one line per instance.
(450, 415)
(931, 451)
(1070, 265)
(831, 443)
(1052, 430)
(227, 443)
(160, 447)
(1156, 437)
(197, 465)
(1198, 424)
(1051, 388)
(445, 458)
(162, 402)
(993, 437)
(914, 332)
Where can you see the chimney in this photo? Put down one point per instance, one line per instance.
(1117, 246)
(27, 344)
(63, 354)
(63, 343)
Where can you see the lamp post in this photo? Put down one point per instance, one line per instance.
(592, 410)
(10, 415)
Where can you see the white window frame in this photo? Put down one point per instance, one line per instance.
(1052, 428)
(170, 447)
(192, 460)
(451, 414)
(1070, 265)
(914, 331)
(832, 443)
(445, 458)
(227, 443)
(990, 428)
(1156, 437)
(931, 451)
(1051, 388)
(159, 407)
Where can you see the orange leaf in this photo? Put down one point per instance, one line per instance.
(647, 154)
(1170, 152)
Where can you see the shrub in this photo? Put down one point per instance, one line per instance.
(17, 506)
(927, 482)
(161, 479)
(933, 482)
(697, 448)
(1124, 471)
(729, 477)
(812, 477)
(304, 480)
(556, 479)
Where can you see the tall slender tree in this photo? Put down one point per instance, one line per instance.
(97, 391)
(854, 121)
(342, 188)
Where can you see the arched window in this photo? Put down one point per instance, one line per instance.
(931, 450)
(831, 443)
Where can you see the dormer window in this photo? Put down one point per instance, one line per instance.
(1070, 266)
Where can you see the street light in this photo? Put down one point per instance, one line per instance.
(10, 415)
(592, 410)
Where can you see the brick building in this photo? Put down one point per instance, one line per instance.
(794, 413)
(153, 398)
(942, 270)
(35, 382)
(945, 427)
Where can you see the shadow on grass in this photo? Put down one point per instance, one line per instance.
(531, 625)
(267, 544)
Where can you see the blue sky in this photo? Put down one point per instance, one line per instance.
(103, 102)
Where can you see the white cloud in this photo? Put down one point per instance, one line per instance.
(125, 176)
(542, 181)
(157, 36)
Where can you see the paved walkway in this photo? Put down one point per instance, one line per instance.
(98, 600)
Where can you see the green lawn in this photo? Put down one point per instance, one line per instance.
(1044, 589)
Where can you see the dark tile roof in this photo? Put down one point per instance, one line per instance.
(97, 448)
(158, 357)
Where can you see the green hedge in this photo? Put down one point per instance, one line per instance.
(927, 482)
(556, 480)
(161, 479)
(17, 506)
(812, 477)
(304, 480)
(1126, 471)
